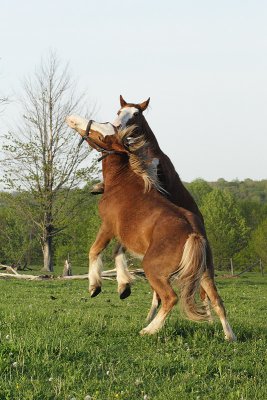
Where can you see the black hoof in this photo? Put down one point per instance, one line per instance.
(96, 291)
(126, 293)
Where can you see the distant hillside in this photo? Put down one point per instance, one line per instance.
(245, 190)
(248, 189)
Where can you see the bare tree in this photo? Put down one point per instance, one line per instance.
(42, 158)
(3, 100)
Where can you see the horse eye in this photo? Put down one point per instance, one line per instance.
(136, 113)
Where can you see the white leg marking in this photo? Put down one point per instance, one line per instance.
(156, 324)
(123, 275)
(95, 268)
(228, 332)
(154, 307)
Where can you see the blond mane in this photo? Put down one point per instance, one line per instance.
(139, 162)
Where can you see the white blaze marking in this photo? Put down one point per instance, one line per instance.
(126, 113)
(105, 129)
(76, 122)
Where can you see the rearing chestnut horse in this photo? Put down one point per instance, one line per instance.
(173, 188)
(168, 238)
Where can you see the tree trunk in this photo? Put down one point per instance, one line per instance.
(48, 255)
(67, 268)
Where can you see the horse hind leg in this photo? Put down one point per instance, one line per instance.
(168, 299)
(124, 278)
(154, 307)
(206, 302)
(203, 295)
(208, 285)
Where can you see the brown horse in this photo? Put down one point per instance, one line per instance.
(132, 114)
(168, 238)
(171, 184)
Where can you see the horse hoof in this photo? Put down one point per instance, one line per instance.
(231, 338)
(143, 332)
(126, 292)
(98, 188)
(96, 291)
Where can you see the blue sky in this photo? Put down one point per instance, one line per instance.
(202, 63)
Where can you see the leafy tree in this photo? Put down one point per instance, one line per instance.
(254, 212)
(199, 188)
(42, 157)
(77, 238)
(17, 236)
(247, 190)
(226, 228)
(259, 241)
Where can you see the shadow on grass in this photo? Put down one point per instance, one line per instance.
(189, 330)
(251, 333)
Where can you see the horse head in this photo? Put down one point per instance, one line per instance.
(90, 131)
(130, 114)
(120, 142)
(105, 136)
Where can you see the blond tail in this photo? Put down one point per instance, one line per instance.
(191, 269)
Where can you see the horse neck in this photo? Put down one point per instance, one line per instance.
(169, 178)
(115, 167)
(149, 136)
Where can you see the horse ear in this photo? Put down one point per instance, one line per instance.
(122, 101)
(144, 105)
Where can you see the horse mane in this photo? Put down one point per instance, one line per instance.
(139, 162)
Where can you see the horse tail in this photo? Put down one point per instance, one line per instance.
(191, 269)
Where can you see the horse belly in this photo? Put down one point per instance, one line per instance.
(135, 236)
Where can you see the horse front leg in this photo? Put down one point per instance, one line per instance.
(124, 278)
(95, 261)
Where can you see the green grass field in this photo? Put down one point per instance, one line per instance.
(74, 347)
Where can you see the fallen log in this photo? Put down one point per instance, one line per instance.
(81, 277)
(9, 269)
(4, 275)
(108, 275)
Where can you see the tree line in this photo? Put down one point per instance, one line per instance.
(237, 228)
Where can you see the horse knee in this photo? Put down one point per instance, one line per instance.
(219, 308)
(93, 254)
(169, 300)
